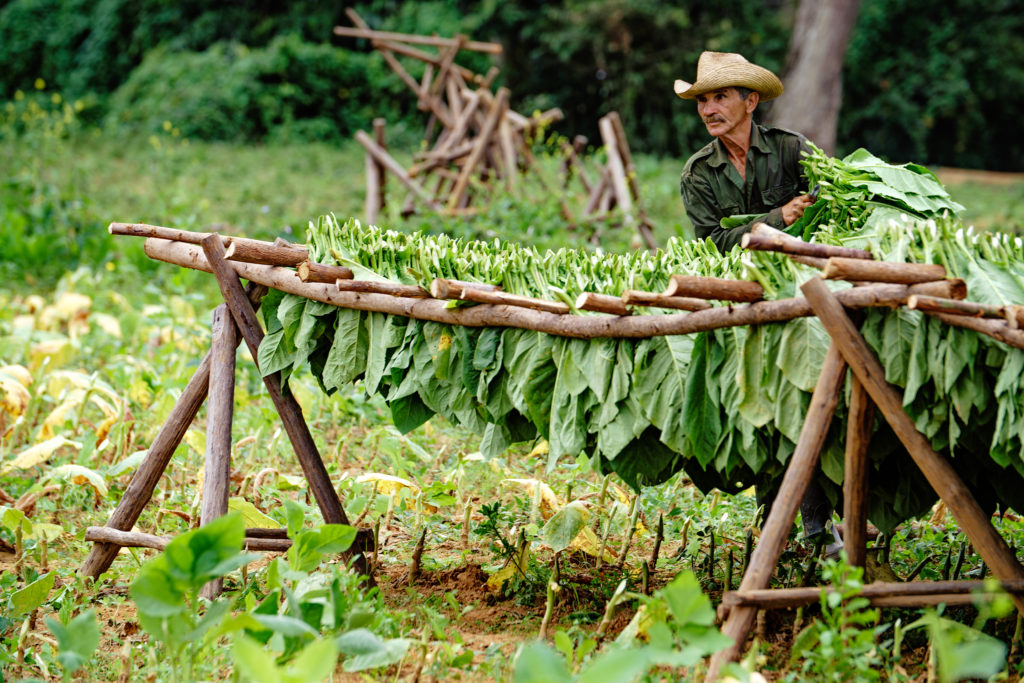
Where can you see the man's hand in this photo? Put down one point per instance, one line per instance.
(792, 210)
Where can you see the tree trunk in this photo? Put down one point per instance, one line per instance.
(814, 70)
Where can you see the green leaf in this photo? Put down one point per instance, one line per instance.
(315, 662)
(565, 525)
(409, 412)
(33, 595)
(364, 650)
(538, 663)
(347, 357)
(253, 661)
(76, 641)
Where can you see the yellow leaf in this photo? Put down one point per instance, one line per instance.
(59, 351)
(45, 530)
(58, 416)
(588, 542)
(140, 392)
(69, 304)
(254, 519)
(80, 475)
(38, 454)
(496, 580)
(14, 396)
(18, 372)
(388, 484)
(549, 502)
(34, 303)
(108, 324)
(542, 448)
(59, 380)
(196, 440)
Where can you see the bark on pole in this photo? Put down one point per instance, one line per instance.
(813, 76)
(219, 417)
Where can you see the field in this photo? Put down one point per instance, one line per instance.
(92, 358)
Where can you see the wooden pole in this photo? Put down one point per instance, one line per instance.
(939, 472)
(996, 329)
(632, 297)
(714, 288)
(285, 403)
(388, 162)
(798, 475)
(781, 598)
(601, 303)
(144, 481)
(855, 474)
(237, 248)
(494, 114)
(579, 327)
(219, 415)
(934, 304)
(384, 288)
(763, 237)
(615, 167)
(856, 269)
(310, 271)
(364, 31)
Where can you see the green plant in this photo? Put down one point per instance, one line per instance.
(166, 589)
(841, 645)
(77, 639)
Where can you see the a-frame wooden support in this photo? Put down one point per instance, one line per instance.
(848, 349)
(234, 319)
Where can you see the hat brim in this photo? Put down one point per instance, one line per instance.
(745, 75)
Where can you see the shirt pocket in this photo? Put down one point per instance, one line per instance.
(777, 195)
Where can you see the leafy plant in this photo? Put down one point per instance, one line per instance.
(77, 639)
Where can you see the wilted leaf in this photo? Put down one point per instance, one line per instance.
(196, 440)
(14, 397)
(254, 519)
(129, 464)
(77, 474)
(108, 324)
(38, 454)
(59, 351)
(565, 525)
(18, 372)
(549, 502)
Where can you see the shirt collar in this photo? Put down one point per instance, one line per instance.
(719, 156)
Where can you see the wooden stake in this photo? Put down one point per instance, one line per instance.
(310, 271)
(285, 403)
(602, 303)
(441, 288)
(839, 268)
(364, 31)
(714, 288)
(763, 237)
(494, 114)
(934, 304)
(219, 416)
(615, 167)
(799, 472)
(855, 474)
(238, 248)
(388, 162)
(939, 472)
(384, 288)
(632, 297)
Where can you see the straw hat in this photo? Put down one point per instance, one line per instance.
(727, 69)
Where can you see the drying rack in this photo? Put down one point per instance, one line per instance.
(286, 267)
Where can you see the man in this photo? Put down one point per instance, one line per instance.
(747, 168)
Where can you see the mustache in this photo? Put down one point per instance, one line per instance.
(713, 119)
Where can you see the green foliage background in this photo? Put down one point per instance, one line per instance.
(937, 84)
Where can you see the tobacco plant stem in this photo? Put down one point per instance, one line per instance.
(604, 539)
(960, 561)
(634, 514)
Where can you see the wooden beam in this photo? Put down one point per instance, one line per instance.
(936, 469)
(714, 288)
(602, 303)
(364, 31)
(632, 297)
(799, 473)
(580, 327)
(763, 237)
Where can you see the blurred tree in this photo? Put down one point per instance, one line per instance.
(813, 76)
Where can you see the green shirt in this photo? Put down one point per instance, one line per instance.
(713, 189)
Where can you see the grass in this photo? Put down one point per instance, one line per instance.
(88, 316)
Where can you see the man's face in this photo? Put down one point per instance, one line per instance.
(724, 110)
